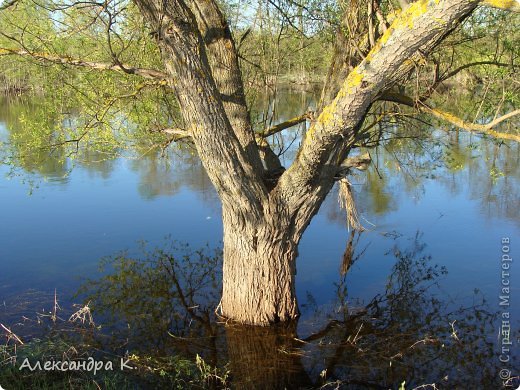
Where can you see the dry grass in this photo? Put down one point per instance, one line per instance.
(347, 202)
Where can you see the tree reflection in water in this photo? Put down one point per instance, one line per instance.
(164, 304)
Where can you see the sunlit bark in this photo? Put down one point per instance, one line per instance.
(511, 5)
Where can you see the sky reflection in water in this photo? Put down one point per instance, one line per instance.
(54, 237)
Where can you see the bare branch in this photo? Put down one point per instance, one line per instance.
(360, 162)
(288, 18)
(11, 334)
(455, 71)
(103, 66)
(182, 134)
(459, 122)
(285, 125)
(475, 127)
(9, 4)
(178, 134)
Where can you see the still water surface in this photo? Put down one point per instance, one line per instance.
(448, 203)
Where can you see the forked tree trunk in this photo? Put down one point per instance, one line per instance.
(263, 224)
(258, 272)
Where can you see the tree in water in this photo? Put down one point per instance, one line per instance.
(265, 207)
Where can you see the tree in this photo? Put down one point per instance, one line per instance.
(266, 208)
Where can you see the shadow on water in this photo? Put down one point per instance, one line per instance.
(163, 304)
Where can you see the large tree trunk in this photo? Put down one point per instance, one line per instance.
(259, 270)
(263, 223)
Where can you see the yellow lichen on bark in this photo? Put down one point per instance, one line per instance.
(393, 15)
(329, 116)
(379, 44)
(326, 118)
(474, 127)
(409, 16)
(511, 5)
(403, 19)
(354, 79)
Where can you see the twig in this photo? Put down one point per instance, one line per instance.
(453, 331)
(83, 314)
(11, 334)
(65, 60)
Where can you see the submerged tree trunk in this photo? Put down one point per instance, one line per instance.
(259, 271)
(266, 357)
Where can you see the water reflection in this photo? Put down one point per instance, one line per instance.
(481, 170)
(491, 172)
(357, 342)
(163, 304)
(97, 163)
(160, 176)
(488, 171)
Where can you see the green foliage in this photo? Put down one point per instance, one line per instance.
(173, 372)
(80, 109)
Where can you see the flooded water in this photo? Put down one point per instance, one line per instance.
(419, 303)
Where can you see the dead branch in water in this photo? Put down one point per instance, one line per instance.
(10, 334)
(83, 315)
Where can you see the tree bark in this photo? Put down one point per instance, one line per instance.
(258, 271)
(223, 59)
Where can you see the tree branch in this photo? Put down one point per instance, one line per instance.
(454, 120)
(223, 61)
(8, 4)
(178, 134)
(475, 127)
(181, 133)
(510, 5)
(102, 66)
(232, 173)
(415, 32)
(455, 71)
(285, 125)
